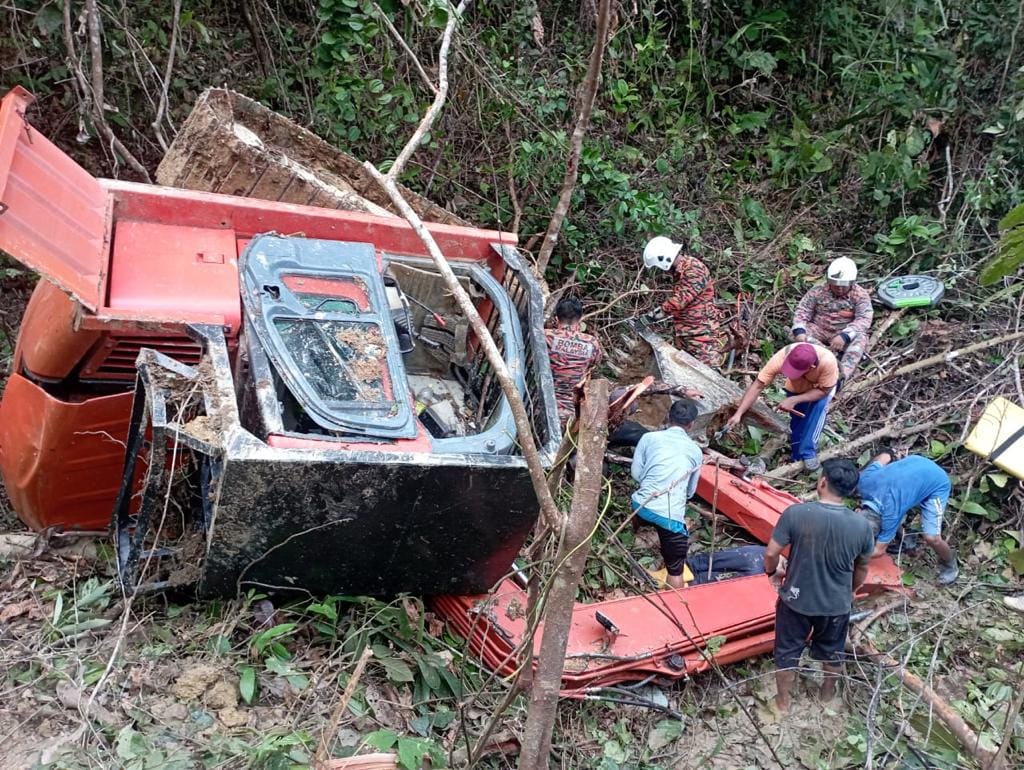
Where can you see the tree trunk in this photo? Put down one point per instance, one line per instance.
(569, 565)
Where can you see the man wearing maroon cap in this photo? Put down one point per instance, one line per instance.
(811, 373)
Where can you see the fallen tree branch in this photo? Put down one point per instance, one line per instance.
(925, 363)
(847, 448)
(440, 94)
(572, 166)
(947, 714)
(570, 563)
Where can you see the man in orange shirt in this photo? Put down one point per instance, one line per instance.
(811, 373)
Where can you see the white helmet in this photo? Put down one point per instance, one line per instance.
(661, 252)
(842, 272)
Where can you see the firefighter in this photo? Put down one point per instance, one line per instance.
(838, 315)
(811, 373)
(696, 321)
(574, 354)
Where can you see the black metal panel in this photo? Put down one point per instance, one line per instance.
(375, 528)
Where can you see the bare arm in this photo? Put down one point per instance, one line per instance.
(755, 389)
(814, 394)
(772, 554)
(860, 572)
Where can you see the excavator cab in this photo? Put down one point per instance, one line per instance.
(309, 412)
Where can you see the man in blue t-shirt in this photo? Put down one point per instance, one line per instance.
(891, 489)
(666, 465)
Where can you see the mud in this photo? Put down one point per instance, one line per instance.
(232, 144)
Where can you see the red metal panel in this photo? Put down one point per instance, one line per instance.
(174, 271)
(664, 633)
(61, 461)
(55, 214)
(249, 217)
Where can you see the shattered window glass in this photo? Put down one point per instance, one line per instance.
(327, 304)
(341, 360)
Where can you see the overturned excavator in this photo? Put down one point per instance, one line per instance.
(253, 393)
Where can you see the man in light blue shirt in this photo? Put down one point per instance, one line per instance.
(892, 489)
(666, 465)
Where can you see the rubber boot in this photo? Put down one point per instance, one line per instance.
(949, 571)
(812, 464)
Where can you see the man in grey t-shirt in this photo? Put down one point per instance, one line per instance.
(830, 547)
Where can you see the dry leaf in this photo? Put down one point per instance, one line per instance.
(538, 30)
(16, 610)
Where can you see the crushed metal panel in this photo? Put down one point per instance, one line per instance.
(53, 214)
(370, 525)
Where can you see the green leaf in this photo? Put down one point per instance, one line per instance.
(262, 640)
(411, 751)
(973, 508)
(666, 731)
(997, 634)
(382, 739)
(614, 751)
(130, 744)
(999, 479)
(247, 684)
(1016, 559)
(396, 670)
(430, 676)
(715, 644)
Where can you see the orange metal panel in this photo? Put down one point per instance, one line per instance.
(61, 461)
(49, 347)
(173, 271)
(54, 213)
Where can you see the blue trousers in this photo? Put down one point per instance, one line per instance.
(805, 432)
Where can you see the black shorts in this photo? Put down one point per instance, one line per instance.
(826, 635)
(674, 547)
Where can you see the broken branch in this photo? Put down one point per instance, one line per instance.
(849, 447)
(956, 723)
(440, 94)
(323, 752)
(925, 363)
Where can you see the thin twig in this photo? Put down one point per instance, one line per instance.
(405, 47)
(166, 83)
(326, 737)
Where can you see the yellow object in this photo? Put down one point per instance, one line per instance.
(999, 436)
(661, 576)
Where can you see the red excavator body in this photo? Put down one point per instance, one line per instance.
(182, 339)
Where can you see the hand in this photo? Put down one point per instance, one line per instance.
(837, 343)
(732, 422)
(777, 578)
(788, 404)
(687, 392)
